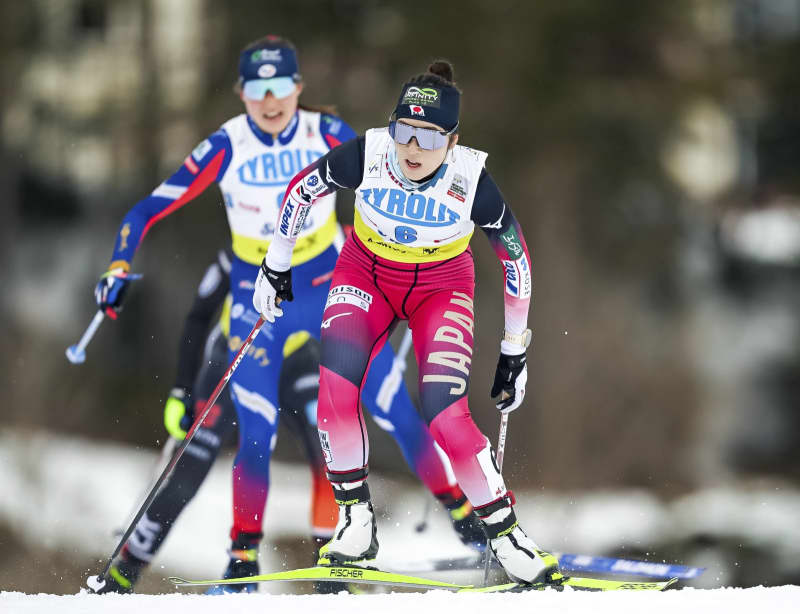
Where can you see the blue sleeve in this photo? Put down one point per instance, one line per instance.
(335, 130)
(205, 165)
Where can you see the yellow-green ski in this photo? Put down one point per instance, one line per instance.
(364, 575)
(343, 573)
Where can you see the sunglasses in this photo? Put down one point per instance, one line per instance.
(257, 89)
(427, 138)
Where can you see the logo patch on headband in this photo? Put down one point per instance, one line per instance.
(416, 110)
(266, 55)
(266, 71)
(427, 96)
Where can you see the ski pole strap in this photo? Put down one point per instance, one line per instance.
(351, 496)
(507, 500)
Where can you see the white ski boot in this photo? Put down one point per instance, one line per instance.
(355, 538)
(519, 555)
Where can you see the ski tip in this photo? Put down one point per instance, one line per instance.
(178, 581)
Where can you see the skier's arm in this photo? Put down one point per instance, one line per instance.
(340, 168)
(205, 165)
(495, 217)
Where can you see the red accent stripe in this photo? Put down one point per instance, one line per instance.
(203, 180)
(318, 281)
(332, 141)
(295, 180)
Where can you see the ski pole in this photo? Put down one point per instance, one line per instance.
(76, 354)
(212, 399)
(501, 450)
(423, 524)
(167, 450)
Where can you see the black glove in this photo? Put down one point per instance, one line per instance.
(280, 280)
(510, 379)
(272, 288)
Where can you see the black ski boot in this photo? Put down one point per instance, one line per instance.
(465, 523)
(121, 576)
(243, 564)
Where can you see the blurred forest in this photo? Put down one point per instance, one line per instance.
(648, 148)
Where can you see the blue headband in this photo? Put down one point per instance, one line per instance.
(266, 62)
(437, 104)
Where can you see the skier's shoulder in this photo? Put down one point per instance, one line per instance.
(334, 129)
(234, 130)
(469, 159)
(376, 140)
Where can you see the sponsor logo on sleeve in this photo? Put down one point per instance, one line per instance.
(512, 243)
(199, 152)
(525, 277)
(301, 220)
(123, 236)
(314, 184)
(512, 278)
(286, 217)
(518, 277)
(334, 124)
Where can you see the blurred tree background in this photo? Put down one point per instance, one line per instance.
(648, 149)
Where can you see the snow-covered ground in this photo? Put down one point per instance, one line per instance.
(81, 490)
(727, 601)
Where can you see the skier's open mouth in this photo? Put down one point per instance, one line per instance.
(413, 165)
(272, 116)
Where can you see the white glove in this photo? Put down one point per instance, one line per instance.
(272, 287)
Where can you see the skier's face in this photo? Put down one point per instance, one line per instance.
(273, 114)
(415, 162)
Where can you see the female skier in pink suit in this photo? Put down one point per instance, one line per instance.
(419, 196)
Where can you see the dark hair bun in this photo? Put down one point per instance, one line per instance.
(443, 69)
